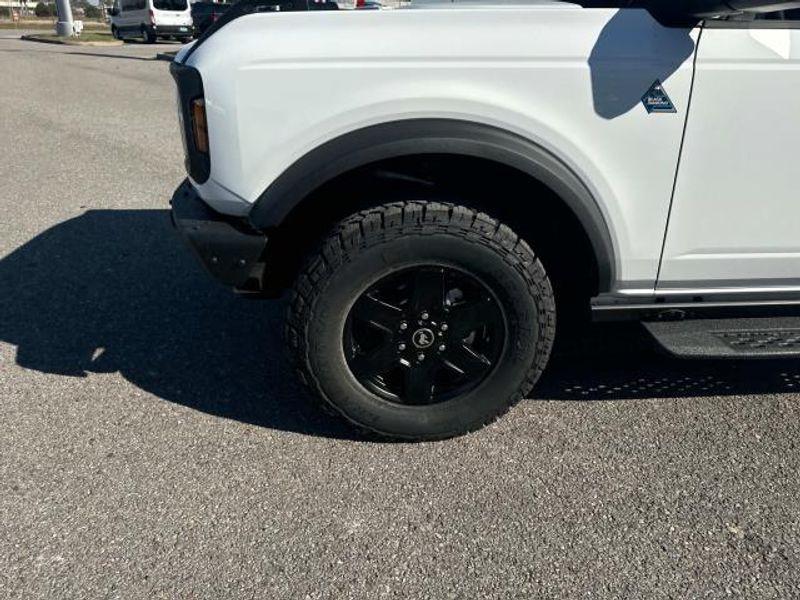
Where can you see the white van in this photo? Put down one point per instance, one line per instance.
(148, 20)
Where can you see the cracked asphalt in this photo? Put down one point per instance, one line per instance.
(155, 445)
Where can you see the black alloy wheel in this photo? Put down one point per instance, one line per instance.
(424, 335)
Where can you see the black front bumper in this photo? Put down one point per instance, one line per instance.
(227, 247)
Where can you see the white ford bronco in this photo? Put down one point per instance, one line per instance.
(439, 185)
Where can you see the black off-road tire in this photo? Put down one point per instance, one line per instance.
(375, 243)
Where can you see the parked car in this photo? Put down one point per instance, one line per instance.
(148, 20)
(204, 14)
(439, 188)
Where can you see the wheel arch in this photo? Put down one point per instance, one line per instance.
(296, 187)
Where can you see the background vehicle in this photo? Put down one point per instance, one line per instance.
(500, 166)
(204, 14)
(149, 20)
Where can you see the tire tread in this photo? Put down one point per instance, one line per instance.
(384, 223)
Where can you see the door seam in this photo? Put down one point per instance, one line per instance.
(680, 157)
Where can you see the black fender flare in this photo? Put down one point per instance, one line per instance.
(438, 136)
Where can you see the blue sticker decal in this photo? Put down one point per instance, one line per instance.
(656, 100)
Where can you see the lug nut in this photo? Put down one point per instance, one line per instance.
(443, 327)
(401, 347)
(442, 348)
(424, 316)
(403, 326)
(420, 357)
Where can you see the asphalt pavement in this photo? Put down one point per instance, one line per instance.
(155, 444)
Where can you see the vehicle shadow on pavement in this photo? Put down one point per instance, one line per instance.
(621, 361)
(115, 290)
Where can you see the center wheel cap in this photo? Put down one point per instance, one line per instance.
(423, 338)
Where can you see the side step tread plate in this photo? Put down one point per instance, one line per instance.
(729, 338)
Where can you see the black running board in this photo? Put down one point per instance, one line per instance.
(729, 338)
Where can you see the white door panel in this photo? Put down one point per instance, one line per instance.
(735, 220)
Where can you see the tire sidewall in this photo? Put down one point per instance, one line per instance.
(525, 307)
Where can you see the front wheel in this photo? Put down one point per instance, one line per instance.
(422, 320)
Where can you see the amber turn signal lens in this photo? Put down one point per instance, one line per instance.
(199, 125)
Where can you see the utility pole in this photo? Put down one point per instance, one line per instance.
(64, 24)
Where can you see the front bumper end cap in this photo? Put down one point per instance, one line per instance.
(227, 247)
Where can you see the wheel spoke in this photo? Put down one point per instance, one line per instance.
(375, 362)
(427, 290)
(465, 361)
(467, 317)
(377, 313)
(419, 381)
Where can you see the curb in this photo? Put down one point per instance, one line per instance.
(43, 40)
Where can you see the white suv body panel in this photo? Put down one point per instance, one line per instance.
(736, 214)
(278, 85)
